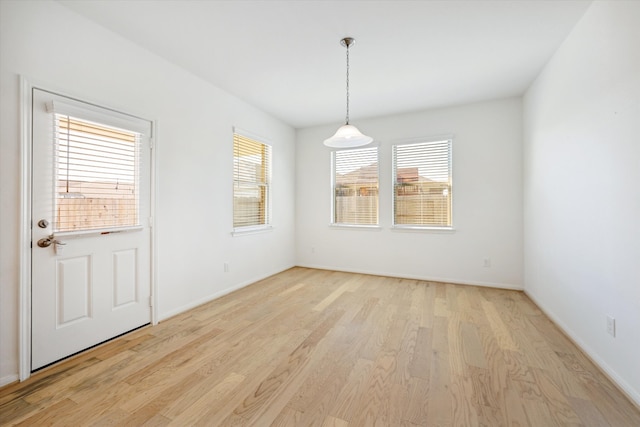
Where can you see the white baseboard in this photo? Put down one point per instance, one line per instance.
(508, 286)
(216, 295)
(632, 394)
(8, 379)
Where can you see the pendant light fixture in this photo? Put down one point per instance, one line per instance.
(347, 135)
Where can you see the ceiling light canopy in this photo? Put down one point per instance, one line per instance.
(347, 136)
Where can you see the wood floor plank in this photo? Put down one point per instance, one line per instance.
(332, 297)
(328, 373)
(472, 346)
(286, 371)
(174, 399)
(381, 324)
(51, 414)
(484, 395)
(169, 361)
(500, 330)
(420, 364)
(287, 418)
(547, 359)
(200, 407)
(349, 397)
(82, 380)
(440, 404)
(427, 304)
(334, 422)
(220, 412)
(114, 417)
(588, 413)
(464, 410)
(559, 408)
(601, 392)
(457, 364)
(16, 410)
(513, 412)
(322, 348)
(441, 308)
(45, 379)
(419, 395)
(374, 404)
(269, 411)
(496, 364)
(318, 401)
(365, 311)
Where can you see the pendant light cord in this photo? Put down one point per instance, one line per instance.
(347, 136)
(347, 118)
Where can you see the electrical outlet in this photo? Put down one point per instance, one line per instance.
(487, 262)
(226, 267)
(611, 326)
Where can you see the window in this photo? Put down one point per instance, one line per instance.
(97, 175)
(355, 186)
(251, 182)
(422, 184)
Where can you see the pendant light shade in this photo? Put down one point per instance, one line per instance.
(347, 135)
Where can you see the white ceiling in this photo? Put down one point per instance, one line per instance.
(285, 58)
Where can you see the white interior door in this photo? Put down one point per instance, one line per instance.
(91, 239)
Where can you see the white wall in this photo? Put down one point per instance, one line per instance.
(194, 148)
(582, 188)
(487, 207)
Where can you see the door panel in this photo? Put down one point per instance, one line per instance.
(73, 290)
(124, 272)
(91, 281)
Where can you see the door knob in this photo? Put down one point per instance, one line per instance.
(45, 242)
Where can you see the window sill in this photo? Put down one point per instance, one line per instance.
(244, 231)
(97, 231)
(356, 227)
(409, 228)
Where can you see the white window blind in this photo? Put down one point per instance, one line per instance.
(422, 184)
(251, 182)
(355, 186)
(97, 175)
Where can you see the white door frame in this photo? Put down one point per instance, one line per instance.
(24, 309)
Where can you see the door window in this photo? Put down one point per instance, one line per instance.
(96, 175)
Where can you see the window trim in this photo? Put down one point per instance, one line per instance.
(422, 228)
(251, 229)
(259, 228)
(101, 115)
(356, 226)
(332, 212)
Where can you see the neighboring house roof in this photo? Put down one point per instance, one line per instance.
(363, 175)
(369, 175)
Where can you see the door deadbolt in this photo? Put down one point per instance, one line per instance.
(43, 223)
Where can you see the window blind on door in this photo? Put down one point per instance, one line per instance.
(355, 186)
(251, 182)
(96, 175)
(422, 184)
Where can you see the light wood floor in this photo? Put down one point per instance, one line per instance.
(311, 347)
